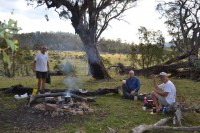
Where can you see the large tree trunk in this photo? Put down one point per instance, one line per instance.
(96, 66)
(87, 33)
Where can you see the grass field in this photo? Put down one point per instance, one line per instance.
(110, 110)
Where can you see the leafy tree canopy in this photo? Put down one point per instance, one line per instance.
(8, 45)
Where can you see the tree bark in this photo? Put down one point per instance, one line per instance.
(96, 66)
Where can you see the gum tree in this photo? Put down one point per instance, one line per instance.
(89, 18)
(150, 48)
(183, 25)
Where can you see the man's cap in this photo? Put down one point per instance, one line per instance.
(163, 74)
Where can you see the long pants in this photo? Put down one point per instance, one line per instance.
(127, 92)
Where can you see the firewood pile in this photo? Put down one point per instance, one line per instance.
(62, 106)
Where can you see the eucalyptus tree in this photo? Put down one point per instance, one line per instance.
(150, 48)
(89, 19)
(183, 25)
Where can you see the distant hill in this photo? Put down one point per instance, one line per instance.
(67, 42)
(54, 40)
(70, 42)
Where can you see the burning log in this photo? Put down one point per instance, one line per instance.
(34, 97)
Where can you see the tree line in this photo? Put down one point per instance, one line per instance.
(68, 42)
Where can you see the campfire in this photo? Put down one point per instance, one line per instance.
(63, 105)
(60, 102)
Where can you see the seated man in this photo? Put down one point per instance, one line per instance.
(165, 93)
(131, 86)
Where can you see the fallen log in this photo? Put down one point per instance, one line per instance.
(168, 128)
(159, 126)
(20, 90)
(185, 55)
(159, 68)
(166, 68)
(142, 128)
(34, 97)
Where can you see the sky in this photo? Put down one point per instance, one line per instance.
(32, 19)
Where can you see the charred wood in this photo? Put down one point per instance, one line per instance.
(20, 90)
(36, 96)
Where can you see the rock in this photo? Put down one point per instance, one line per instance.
(91, 110)
(40, 107)
(54, 113)
(80, 112)
(51, 107)
(46, 113)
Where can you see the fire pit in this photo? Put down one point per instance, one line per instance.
(63, 105)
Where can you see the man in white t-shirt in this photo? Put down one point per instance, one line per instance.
(165, 93)
(41, 67)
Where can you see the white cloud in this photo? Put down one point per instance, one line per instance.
(32, 19)
(143, 14)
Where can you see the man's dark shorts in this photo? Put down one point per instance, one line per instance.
(40, 75)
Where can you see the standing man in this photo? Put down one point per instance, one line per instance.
(130, 86)
(165, 93)
(41, 67)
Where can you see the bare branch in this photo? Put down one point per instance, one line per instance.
(107, 17)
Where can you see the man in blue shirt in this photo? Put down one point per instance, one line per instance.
(131, 86)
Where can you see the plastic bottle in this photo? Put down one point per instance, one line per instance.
(164, 110)
(35, 90)
(145, 101)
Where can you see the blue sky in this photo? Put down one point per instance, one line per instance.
(32, 19)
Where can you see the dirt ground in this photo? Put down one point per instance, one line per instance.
(30, 120)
